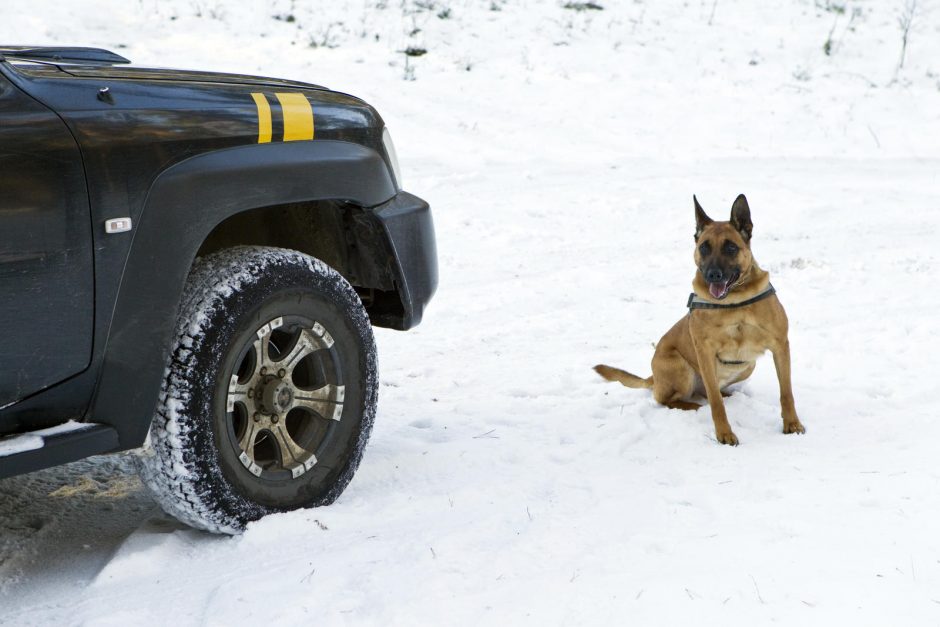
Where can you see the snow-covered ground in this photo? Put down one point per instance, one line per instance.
(505, 483)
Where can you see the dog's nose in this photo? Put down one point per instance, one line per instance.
(713, 275)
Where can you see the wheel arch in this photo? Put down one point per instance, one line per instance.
(342, 234)
(198, 205)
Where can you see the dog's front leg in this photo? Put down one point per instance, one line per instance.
(707, 356)
(791, 423)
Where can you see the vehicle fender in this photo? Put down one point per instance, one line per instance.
(184, 204)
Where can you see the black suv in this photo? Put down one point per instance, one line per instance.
(191, 264)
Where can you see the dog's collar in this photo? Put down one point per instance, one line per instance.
(697, 302)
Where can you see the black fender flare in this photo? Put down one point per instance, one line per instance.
(184, 204)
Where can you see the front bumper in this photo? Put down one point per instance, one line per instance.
(407, 224)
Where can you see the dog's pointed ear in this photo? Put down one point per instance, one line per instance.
(701, 219)
(741, 217)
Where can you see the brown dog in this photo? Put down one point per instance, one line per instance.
(734, 316)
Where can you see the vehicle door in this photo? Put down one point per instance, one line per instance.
(46, 266)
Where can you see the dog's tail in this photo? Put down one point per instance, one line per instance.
(616, 374)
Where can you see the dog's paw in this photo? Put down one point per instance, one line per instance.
(727, 437)
(794, 426)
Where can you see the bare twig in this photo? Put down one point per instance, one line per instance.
(904, 21)
(829, 46)
(488, 434)
(762, 602)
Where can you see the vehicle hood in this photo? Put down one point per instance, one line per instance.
(180, 76)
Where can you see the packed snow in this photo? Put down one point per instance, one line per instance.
(505, 483)
(13, 444)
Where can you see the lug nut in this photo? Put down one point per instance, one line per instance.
(274, 418)
(250, 393)
(281, 373)
(264, 370)
(257, 417)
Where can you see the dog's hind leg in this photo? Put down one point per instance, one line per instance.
(673, 380)
(685, 405)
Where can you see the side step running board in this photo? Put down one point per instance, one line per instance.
(69, 442)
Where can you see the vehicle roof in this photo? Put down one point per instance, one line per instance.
(99, 63)
(62, 54)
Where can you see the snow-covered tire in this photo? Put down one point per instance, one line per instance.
(269, 393)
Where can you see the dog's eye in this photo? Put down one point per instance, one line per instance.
(705, 249)
(730, 249)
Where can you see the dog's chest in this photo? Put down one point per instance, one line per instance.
(741, 341)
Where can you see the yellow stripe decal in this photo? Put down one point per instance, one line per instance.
(264, 118)
(298, 116)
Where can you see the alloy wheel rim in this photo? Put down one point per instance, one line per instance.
(284, 396)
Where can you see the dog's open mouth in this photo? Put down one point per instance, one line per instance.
(720, 289)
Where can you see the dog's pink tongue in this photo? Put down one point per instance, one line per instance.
(718, 289)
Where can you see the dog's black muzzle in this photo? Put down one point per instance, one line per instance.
(715, 274)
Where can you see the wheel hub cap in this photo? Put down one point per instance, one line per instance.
(277, 396)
